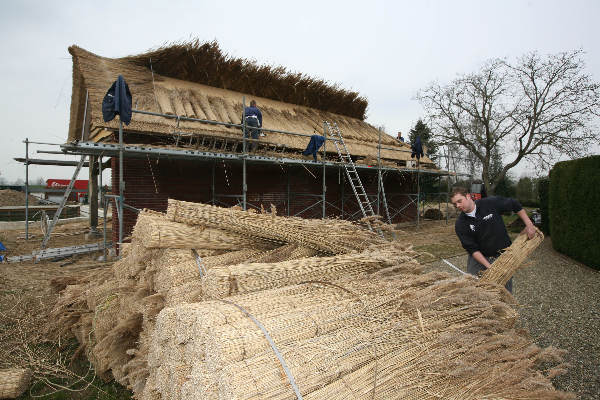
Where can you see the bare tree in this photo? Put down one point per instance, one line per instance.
(536, 109)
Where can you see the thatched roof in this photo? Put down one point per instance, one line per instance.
(206, 63)
(167, 95)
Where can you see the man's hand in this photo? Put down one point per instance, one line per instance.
(529, 228)
(530, 231)
(480, 258)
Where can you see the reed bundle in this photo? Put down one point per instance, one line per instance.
(341, 236)
(156, 231)
(225, 281)
(13, 382)
(512, 258)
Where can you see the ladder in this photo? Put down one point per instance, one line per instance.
(62, 204)
(357, 187)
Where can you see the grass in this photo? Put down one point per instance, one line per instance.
(434, 251)
(84, 385)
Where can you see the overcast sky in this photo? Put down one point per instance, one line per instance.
(386, 50)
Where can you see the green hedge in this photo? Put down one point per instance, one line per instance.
(574, 209)
(543, 194)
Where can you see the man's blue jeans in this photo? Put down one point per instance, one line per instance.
(475, 268)
(254, 133)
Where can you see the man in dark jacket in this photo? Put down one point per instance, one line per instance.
(481, 229)
(253, 118)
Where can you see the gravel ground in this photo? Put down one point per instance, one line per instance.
(560, 306)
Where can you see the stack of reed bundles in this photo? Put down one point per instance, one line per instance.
(13, 382)
(416, 337)
(361, 320)
(113, 313)
(512, 258)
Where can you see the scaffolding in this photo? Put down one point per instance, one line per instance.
(97, 151)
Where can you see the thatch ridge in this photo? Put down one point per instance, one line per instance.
(206, 63)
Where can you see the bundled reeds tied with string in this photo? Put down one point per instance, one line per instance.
(14, 382)
(272, 307)
(512, 258)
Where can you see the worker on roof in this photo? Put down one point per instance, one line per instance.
(481, 229)
(253, 118)
(400, 138)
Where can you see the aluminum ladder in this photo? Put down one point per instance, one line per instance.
(357, 187)
(62, 203)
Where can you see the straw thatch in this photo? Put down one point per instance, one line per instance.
(172, 93)
(410, 338)
(207, 64)
(342, 236)
(364, 322)
(14, 382)
(512, 258)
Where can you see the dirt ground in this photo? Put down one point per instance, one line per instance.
(558, 297)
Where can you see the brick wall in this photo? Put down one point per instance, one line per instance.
(149, 183)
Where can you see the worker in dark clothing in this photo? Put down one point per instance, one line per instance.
(417, 149)
(481, 229)
(253, 118)
(400, 138)
(315, 143)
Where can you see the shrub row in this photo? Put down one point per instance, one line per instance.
(573, 209)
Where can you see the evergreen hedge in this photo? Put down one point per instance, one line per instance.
(543, 194)
(574, 209)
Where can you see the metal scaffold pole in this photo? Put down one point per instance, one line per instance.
(288, 191)
(324, 149)
(379, 172)
(103, 204)
(245, 148)
(121, 185)
(212, 183)
(418, 191)
(26, 188)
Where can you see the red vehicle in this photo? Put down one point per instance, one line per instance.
(477, 191)
(79, 189)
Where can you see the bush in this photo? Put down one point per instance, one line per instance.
(573, 208)
(543, 194)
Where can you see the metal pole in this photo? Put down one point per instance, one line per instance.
(288, 191)
(102, 203)
(26, 188)
(84, 115)
(418, 191)
(244, 187)
(379, 171)
(121, 185)
(447, 209)
(343, 186)
(438, 195)
(212, 184)
(324, 150)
